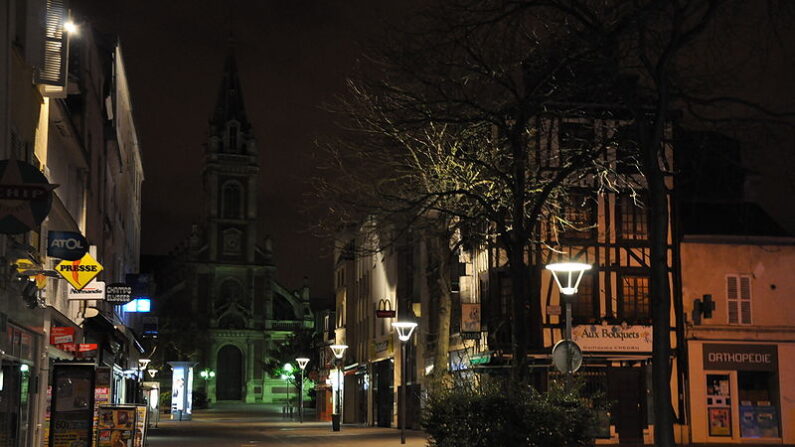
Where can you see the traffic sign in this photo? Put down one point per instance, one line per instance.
(79, 273)
(567, 356)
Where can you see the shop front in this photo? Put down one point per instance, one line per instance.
(382, 381)
(736, 392)
(17, 366)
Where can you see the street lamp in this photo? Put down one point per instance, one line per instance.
(404, 330)
(339, 352)
(152, 372)
(288, 372)
(206, 374)
(571, 275)
(302, 361)
(142, 364)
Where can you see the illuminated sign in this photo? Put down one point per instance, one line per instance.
(138, 305)
(79, 273)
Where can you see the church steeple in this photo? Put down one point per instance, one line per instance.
(230, 173)
(229, 106)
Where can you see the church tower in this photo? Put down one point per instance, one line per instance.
(231, 176)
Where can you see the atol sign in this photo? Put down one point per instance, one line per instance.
(61, 335)
(79, 273)
(69, 245)
(95, 290)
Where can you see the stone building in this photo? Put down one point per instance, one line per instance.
(225, 270)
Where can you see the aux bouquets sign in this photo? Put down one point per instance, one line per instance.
(613, 338)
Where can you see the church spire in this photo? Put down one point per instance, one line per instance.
(229, 106)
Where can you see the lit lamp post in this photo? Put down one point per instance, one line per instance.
(568, 276)
(339, 352)
(302, 361)
(288, 372)
(404, 330)
(206, 374)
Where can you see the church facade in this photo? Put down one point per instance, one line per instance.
(226, 269)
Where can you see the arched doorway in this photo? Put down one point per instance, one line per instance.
(229, 380)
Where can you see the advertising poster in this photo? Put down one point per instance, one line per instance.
(72, 407)
(470, 317)
(101, 394)
(720, 421)
(116, 426)
(140, 426)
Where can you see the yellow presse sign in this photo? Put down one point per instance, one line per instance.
(81, 272)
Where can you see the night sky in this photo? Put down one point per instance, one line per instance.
(293, 56)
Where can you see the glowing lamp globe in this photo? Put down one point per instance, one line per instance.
(568, 275)
(404, 329)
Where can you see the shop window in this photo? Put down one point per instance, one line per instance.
(758, 404)
(634, 304)
(738, 298)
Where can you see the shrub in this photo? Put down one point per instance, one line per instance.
(500, 415)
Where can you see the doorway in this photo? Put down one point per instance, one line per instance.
(625, 390)
(229, 385)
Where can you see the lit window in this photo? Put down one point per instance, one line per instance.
(634, 304)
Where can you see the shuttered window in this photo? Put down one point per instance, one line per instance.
(53, 72)
(738, 298)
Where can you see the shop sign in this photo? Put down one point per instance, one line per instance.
(740, 357)
(79, 273)
(25, 197)
(69, 245)
(118, 293)
(470, 317)
(93, 291)
(613, 338)
(60, 335)
(385, 309)
(381, 348)
(87, 347)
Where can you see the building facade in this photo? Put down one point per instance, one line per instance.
(224, 273)
(66, 112)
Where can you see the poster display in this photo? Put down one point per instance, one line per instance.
(141, 414)
(116, 426)
(181, 386)
(719, 412)
(72, 406)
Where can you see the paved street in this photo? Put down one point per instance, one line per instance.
(259, 425)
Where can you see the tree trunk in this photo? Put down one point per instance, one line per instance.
(660, 294)
(519, 273)
(439, 285)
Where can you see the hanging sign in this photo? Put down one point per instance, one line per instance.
(385, 309)
(95, 290)
(118, 293)
(79, 273)
(25, 197)
(69, 245)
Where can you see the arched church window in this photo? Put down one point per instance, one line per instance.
(233, 131)
(231, 202)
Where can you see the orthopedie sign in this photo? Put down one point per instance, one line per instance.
(740, 357)
(385, 309)
(69, 245)
(118, 293)
(613, 338)
(95, 290)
